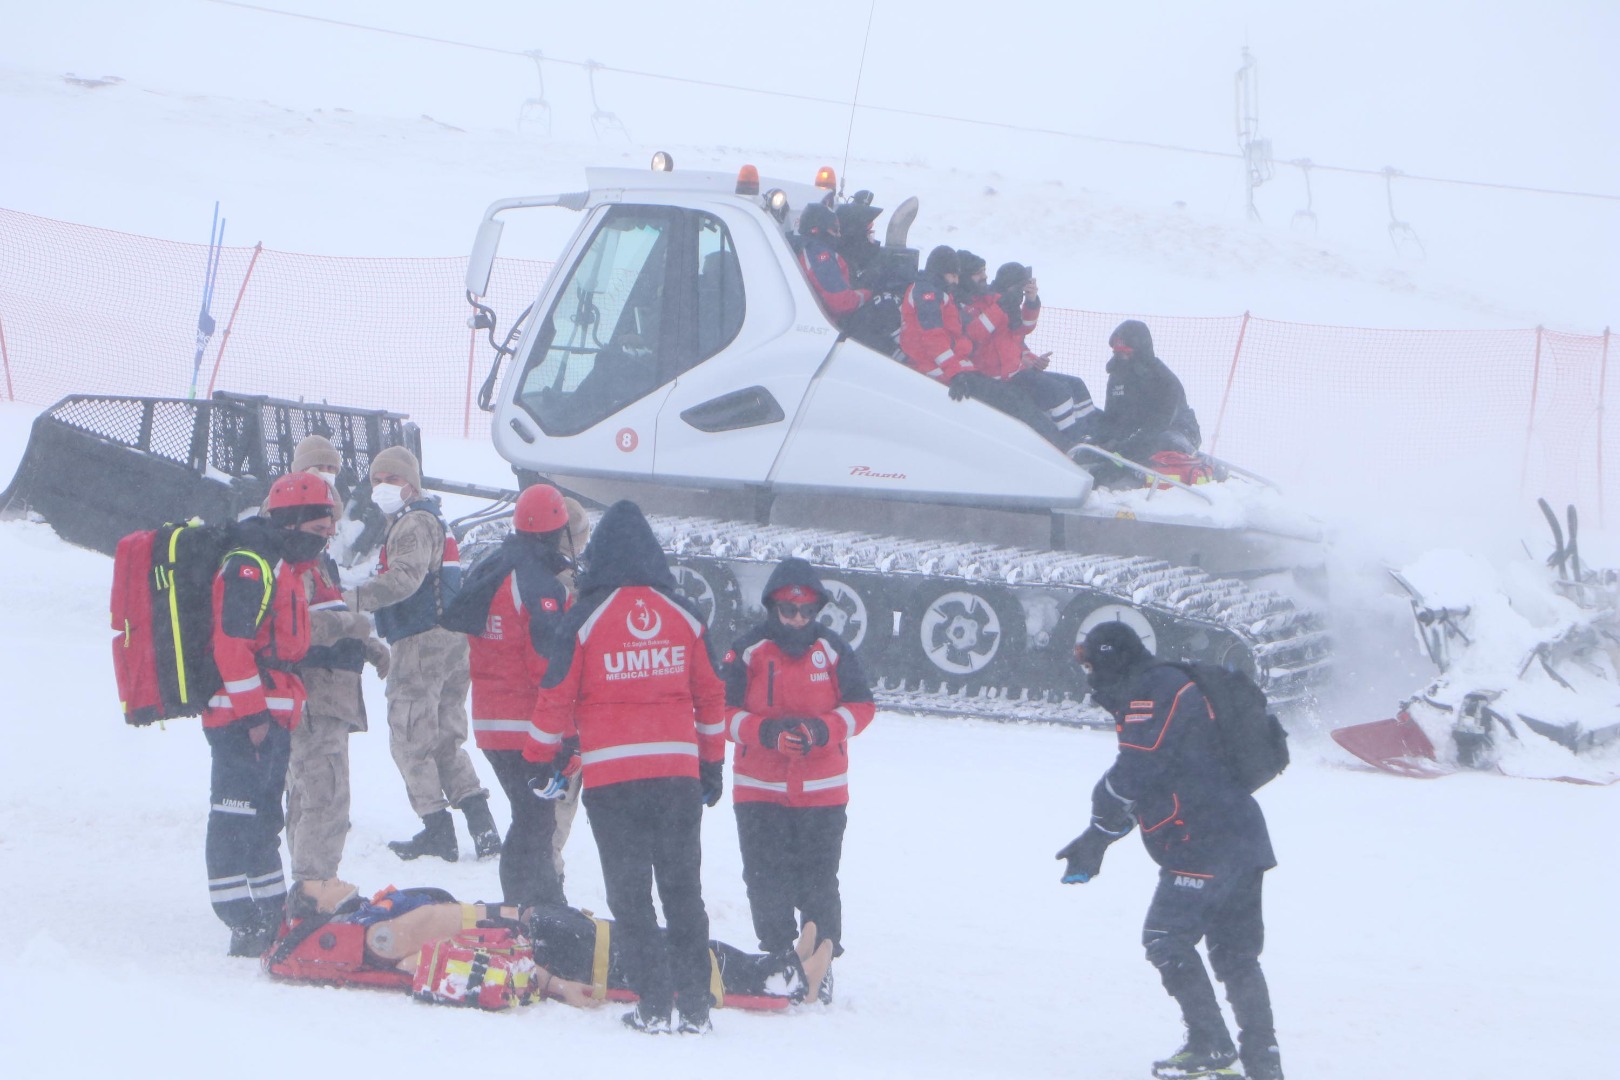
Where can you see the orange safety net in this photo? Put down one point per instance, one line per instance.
(87, 310)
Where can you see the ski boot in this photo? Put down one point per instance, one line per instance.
(1197, 1059)
(438, 838)
(481, 824)
(648, 1023)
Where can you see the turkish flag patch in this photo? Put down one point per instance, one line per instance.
(824, 256)
(928, 296)
(731, 655)
(548, 604)
(249, 572)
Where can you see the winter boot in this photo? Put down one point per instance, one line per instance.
(647, 1022)
(481, 823)
(1264, 1064)
(438, 837)
(694, 1013)
(1200, 1057)
(253, 940)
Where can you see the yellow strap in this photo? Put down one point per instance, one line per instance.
(599, 960)
(469, 916)
(716, 987)
(174, 618)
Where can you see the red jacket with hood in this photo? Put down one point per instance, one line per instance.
(628, 673)
(261, 629)
(779, 672)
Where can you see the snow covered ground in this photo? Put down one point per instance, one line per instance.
(1453, 928)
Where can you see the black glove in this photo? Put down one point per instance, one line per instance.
(711, 775)
(545, 781)
(1085, 856)
(770, 731)
(960, 389)
(804, 735)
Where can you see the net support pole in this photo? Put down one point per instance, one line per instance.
(1530, 427)
(1231, 374)
(1603, 390)
(231, 322)
(5, 362)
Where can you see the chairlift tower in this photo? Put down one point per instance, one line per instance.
(1256, 151)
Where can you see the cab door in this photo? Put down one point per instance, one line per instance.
(598, 365)
(754, 343)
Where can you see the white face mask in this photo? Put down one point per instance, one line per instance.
(390, 498)
(331, 482)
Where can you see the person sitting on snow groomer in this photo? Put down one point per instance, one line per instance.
(824, 266)
(933, 342)
(998, 320)
(931, 338)
(1146, 409)
(876, 323)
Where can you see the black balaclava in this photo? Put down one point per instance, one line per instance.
(967, 286)
(1113, 650)
(941, 261)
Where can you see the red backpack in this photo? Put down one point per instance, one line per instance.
(163, 619)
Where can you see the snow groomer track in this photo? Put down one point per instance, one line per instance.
(988, 631)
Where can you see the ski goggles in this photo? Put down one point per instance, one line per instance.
(788, 610)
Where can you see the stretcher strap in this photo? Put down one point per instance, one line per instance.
(716, 986)
(599, 961)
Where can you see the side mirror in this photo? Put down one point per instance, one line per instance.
(482, 260)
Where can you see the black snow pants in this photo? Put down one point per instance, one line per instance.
(1015, 402)
(528, 875)
(243, 845)
(1065, 400)
(1224, 910)
(649, 830)
(790, 862)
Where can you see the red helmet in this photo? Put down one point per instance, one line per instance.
(299, 489)
(540, 509)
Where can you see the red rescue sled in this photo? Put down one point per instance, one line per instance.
(1397, 746)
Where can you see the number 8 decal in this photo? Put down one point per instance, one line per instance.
(626, 439)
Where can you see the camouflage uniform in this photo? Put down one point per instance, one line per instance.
(428, 676)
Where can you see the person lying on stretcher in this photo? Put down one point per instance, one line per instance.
(424, 940)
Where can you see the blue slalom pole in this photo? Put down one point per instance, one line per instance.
(205, 321)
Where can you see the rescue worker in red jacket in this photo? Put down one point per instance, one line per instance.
(795, 695)
(509, 607)
(261, 629)
(823, 265)
(999, 322)
(931, 334)
(629, 682)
